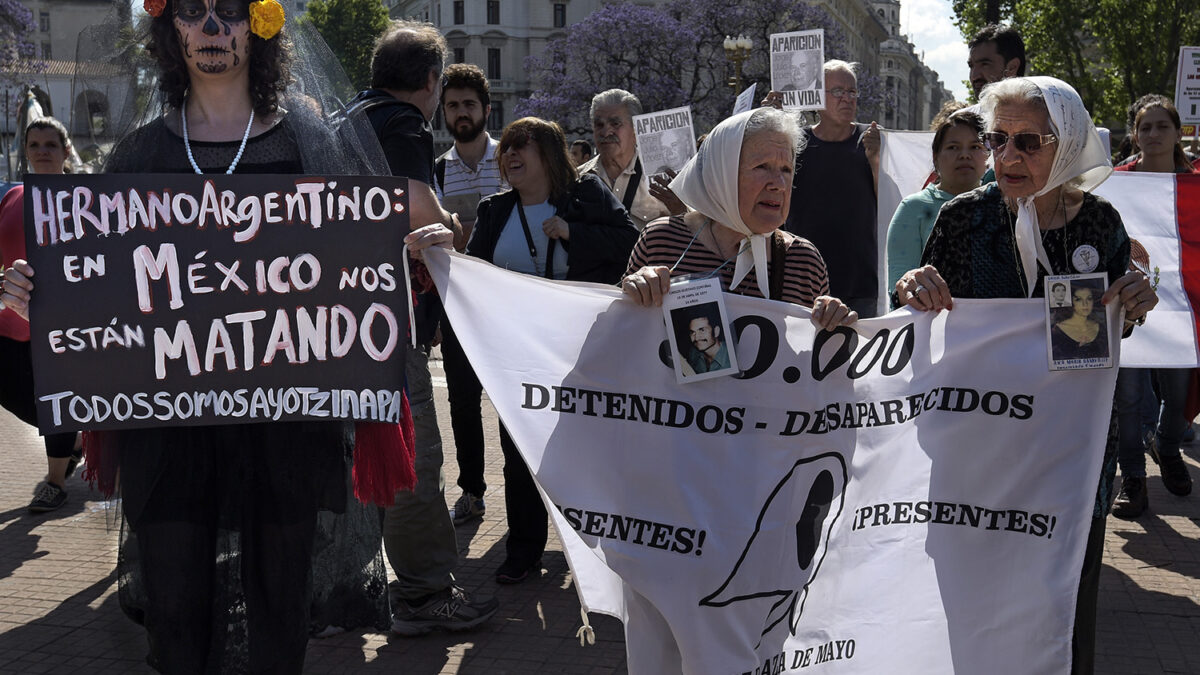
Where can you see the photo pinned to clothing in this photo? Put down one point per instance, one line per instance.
(698, 329)
(1079, 329)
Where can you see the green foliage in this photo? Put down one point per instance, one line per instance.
(350, 27)
(1111, 51)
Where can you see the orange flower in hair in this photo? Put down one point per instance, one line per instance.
(154, 7)
(266, 18)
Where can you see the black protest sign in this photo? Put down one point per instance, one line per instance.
(174, 299)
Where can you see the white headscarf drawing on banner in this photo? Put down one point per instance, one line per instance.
(1079, 153)
(708, 183)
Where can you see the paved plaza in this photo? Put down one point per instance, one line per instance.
(59, 611)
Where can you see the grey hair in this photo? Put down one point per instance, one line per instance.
(837, 65)
(768, 119)
(616, 97)
(1014, 90)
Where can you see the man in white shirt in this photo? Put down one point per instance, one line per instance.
(469, 170)
(462, 176)
(616, 161)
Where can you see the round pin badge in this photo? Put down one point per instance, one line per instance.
(1085, 258)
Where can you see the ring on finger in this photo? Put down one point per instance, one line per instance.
(918, 289)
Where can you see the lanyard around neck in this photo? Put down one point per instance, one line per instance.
(549, 271)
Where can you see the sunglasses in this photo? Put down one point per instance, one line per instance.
(1027, 143)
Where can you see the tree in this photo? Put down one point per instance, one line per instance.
(16, 49)
(1111, 51)
(670, 56)
(350, 28)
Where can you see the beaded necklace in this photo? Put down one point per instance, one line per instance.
(188, 145)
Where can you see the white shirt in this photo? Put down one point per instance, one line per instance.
(645, 208)
(464, 186)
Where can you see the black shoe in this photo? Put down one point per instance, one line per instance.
(1131, 500)
(448, 610)
(47, 498)
(1174, 472)
(514, 572)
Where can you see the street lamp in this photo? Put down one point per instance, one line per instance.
(737, 49)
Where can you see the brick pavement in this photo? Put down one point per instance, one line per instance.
(59, 613)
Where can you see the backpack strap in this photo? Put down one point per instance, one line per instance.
(439, 172)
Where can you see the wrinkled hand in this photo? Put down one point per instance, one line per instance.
(664, 194)
(648, 285)
(431, 235)
(1135, 294)
(556, 228)
(773, 99)
(871, 140)
(17, 288)
(829, 313)
(924, 289)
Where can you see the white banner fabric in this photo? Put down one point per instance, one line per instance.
(912, 495)
(1147, 204)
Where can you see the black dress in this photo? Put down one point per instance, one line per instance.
(217, 558)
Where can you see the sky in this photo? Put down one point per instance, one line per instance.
(929, 25)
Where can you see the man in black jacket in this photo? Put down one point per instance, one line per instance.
(418, 536)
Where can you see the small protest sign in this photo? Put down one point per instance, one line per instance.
(665, 140)
(1078, 328)
(168, 300)
(1187, 85)
(745, 100)
(798, 68)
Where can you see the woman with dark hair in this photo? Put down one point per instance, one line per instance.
(220, 521)
(47, 149)
(959, 161)
(1157, 133)
(553, 223)
(556, 224)
(1079, 335)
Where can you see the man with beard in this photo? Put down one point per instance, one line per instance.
(996, 53)
(616, 161)
(463, 175)
(418, 535)
(708, 352)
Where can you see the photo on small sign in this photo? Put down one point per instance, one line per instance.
(1077, 324)
(698, 329)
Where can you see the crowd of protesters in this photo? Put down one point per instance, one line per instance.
(536, 204)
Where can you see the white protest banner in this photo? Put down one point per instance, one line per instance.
(745, 100)
(798, 68)
(665, 141)
(1161, 213)
(912, 495)
(1187, 85)
(905, 167)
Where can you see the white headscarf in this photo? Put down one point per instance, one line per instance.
(708, 183)
(1078, 153)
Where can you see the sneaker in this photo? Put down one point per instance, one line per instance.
(467, 508)
(47, 498)
(1131, 501)
(513, 572)
(448, 610)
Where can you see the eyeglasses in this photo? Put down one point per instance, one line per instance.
(1027, 143)
(843, 93)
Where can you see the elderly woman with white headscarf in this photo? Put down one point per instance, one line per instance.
(1039, 218)
(739, 188)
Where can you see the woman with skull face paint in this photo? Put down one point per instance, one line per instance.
(219, 524)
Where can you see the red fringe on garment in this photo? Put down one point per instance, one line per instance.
(384, 459)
